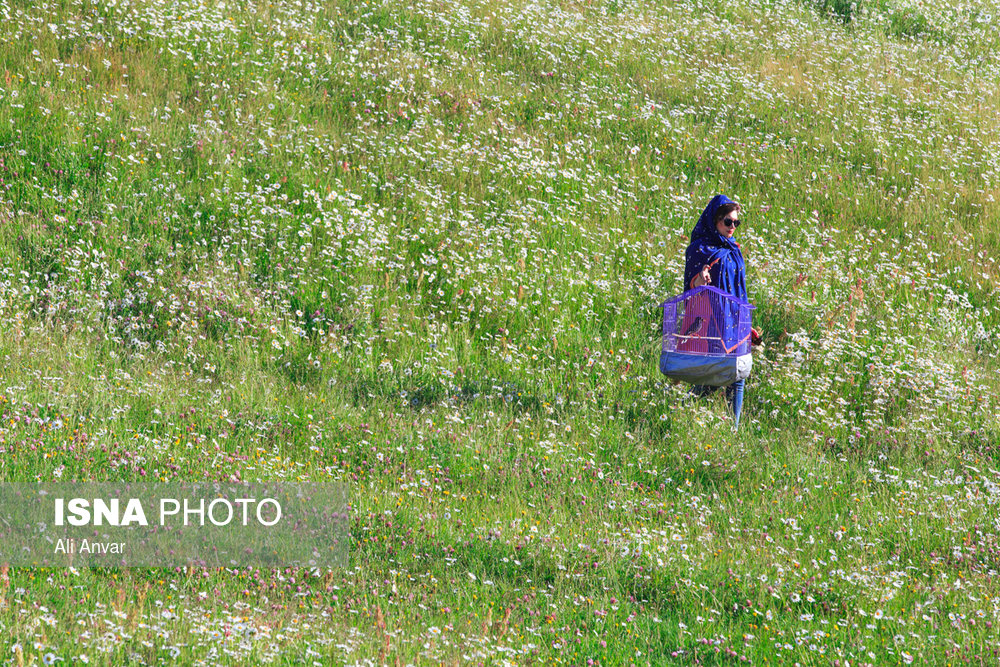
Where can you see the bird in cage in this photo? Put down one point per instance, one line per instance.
(695, 326)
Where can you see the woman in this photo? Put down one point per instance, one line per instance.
(714, 258)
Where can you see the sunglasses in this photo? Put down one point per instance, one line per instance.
(731, 223)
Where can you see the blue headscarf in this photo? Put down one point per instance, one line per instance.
(708, 245)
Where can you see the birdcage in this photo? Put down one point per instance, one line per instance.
(706, 337)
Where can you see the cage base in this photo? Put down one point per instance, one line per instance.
(720, 371)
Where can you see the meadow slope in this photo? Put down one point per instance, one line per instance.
(419, 248)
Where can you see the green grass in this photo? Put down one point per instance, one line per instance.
(419, 249)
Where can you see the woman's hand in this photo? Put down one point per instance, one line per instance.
(703, 278)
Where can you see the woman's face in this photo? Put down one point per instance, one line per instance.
(727, 225)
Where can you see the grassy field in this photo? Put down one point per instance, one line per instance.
(419, 248)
